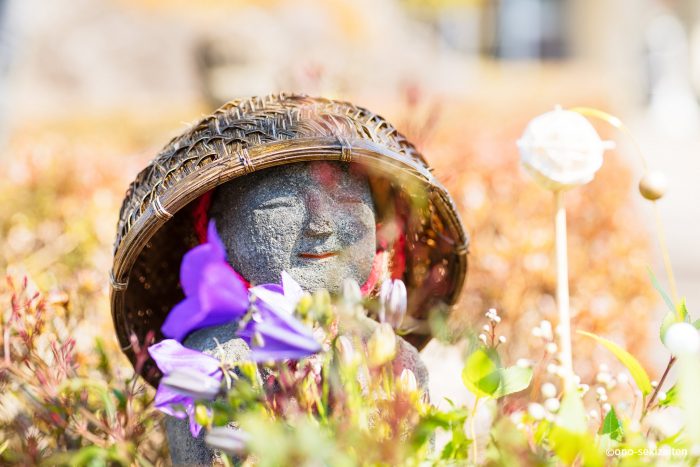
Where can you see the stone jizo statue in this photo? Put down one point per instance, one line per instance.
(294, 184)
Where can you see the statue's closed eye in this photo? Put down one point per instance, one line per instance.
(278, 202)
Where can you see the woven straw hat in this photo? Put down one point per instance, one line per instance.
(155, 226)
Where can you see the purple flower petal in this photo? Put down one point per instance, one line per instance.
(292, 290)
(195, 428)
(170, 355)
(215, 292)
(166, 401)
(283, 336)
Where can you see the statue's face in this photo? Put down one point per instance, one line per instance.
(314, 220)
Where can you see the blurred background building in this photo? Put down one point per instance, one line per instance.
(112, 80)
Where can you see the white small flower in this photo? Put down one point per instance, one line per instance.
(552, 368)
(584, 388)
(654, 383)
(524, 363)
(482, 338)
(536, 411)
(662, 396)
(606, 407)
(537, 332)
(622, 378)
(551, 348)
(682, 339)
(551, 404)
(603, 368)
(546, 328)
(548, 390)
(486, 328)
(593, 414)
(502, 339)
(600, 391)
(561, 149)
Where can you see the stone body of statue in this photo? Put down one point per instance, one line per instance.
(314, 220)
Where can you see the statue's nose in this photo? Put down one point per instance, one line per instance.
(320, 215)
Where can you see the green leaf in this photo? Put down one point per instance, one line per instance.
(671, 397)
(682, 310)
(569, 437)
(512, 380)
(662, 292)
(696, 323)
(480, 375)
(612, 426)
(638, 373)
(572, 414)
(668, 320)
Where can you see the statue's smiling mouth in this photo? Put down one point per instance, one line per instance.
(322, 255)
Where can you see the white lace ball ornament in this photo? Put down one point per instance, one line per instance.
(561, 149)
(682, 339)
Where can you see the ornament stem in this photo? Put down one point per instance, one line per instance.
(563, 286)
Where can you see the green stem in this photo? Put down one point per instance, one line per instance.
(472, 426)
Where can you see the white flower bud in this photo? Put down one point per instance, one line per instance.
(408, 381)
(622, 378)
(524, 363)
(486, 328)
(546, 328)
(682, 339)
(548, 390)
(381, 347)
(603, 377)
(537, 332)
(551, 404)
(482, 338)
(550, 348)
(606, 407)
(662, 396)
(561, 149)
(502, 339)
(346, 352)
(393, 298)
(351, 291)
(232, 441)
(536, 411)
(552, 368)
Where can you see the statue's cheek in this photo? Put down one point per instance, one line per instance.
(276, 230)
(356, 224)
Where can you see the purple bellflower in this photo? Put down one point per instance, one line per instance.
(273, 333)
(172, 357)
(215, 293)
